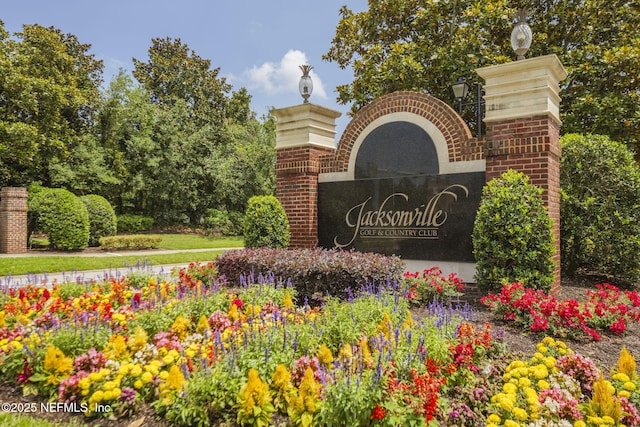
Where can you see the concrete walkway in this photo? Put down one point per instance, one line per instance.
(87, 276)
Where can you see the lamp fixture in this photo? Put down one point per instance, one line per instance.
(306, 84)
(461, 89)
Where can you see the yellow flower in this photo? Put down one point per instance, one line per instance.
(579, 423)
(203, 325)
(168, 359)
(510, 388)
(138, 340)
(137, 384)
(620, 376)
(520, 414)
(627, 363)
(116, 348)
(136, 371)
(494, 418)
(629, 386)
(55, 361)
(624, 393)
(146, 377)
(408, 321)
(385, 326)
(96, 397)
(180, 327)
(175, 379)
(287, 303)
(325, 356)
(108, 386)
(346, 351)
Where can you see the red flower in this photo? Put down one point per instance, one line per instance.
(237, 302)
(618, 327)
(378, 413)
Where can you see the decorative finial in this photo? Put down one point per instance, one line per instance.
(521, 35)
(306, 84)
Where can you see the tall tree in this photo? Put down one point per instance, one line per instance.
(48, 94)
(426, 45)
(174, 72)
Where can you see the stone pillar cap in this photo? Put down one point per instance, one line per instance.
(523, 88)
(305, 124)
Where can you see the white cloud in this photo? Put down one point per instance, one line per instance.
(283, 77)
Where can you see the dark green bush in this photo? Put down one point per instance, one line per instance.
(62, 216)
(599, 208)
(134, 241)
(102, 218)
(265, 223)
(129, 223)
(512, 238)
(313, 272)
(222, 222)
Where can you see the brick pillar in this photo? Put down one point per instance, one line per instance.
(523, 129)
(13, 220)
(304, 134)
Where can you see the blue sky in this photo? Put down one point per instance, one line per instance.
(257, 44)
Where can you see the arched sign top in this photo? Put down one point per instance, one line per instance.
(396, 149)
(449, 133)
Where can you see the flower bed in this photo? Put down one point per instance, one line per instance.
(209, 354)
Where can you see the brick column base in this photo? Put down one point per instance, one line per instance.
(297, 170)
(13, 220)
(530, 145)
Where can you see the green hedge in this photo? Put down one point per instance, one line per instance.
(61, 215)
(130, 223)
(600, 208)
(102, 218)
(136, 241)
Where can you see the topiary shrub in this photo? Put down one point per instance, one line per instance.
(599, 208)
(512, 240)
(102, 218)
(265, 223)
(62, 216)
(129, 223)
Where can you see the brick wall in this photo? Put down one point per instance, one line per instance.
(530, 145)
(297, 171)
(13, 220)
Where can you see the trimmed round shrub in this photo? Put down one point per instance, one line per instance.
(599, 208)
(130, 223)
(512, 240)
(62, 216)
(265, 223)
(102, 218)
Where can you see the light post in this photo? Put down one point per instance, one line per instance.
(460, 91)
(306, 84)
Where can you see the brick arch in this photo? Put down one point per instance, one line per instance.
(461, 145)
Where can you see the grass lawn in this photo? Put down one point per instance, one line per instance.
(15, 420)
(53, 263)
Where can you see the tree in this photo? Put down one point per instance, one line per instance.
(425, 45)
(48, 93)
(173, 72)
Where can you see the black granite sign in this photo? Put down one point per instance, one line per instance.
(415, 217)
